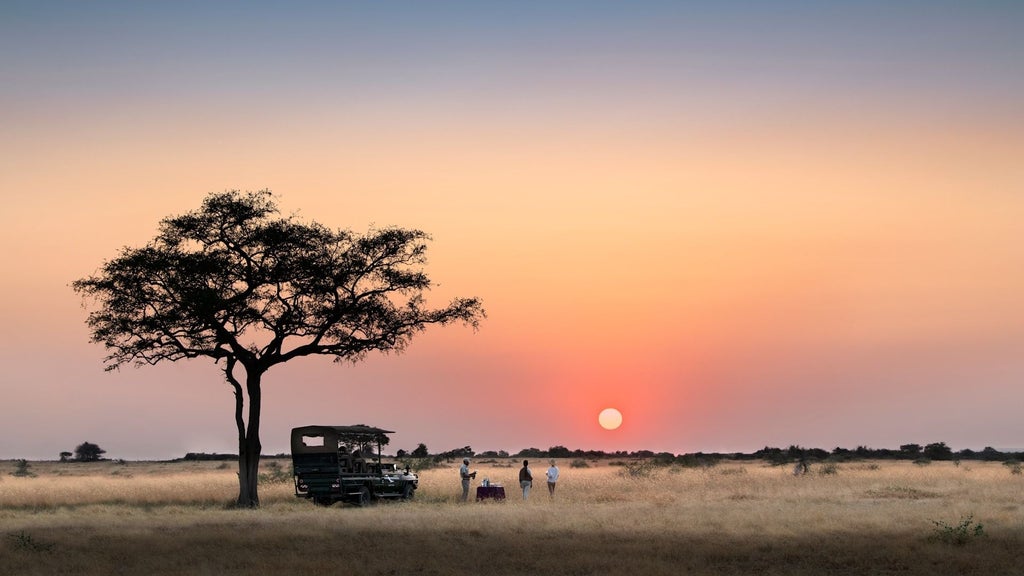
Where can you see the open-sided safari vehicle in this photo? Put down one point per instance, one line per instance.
(339, 463)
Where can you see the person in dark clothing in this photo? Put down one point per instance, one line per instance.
(525, 478)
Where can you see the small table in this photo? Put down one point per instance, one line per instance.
(490, 493)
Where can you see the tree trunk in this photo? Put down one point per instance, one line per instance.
(248, 470)
(249, 446)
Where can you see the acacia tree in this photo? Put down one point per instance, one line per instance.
(88, 452)
(238, 283)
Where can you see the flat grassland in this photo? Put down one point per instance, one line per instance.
(733, 518)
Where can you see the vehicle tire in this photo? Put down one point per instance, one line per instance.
(408, 492)
(364, 497)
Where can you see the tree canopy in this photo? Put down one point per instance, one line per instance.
(88, 452)
(237, 282)
(233, 281)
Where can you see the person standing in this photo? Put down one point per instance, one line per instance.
(465, 475)
(552, 478)
(525, 479)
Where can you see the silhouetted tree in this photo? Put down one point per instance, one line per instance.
(236, 282)
(938, 451)
(991, 454)
(64, 456)
(88, 452)
(910, 450)
(559, 452)
(420, 451)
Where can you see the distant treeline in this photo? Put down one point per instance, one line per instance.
(914, 452)
(204, 457)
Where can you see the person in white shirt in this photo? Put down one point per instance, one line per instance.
(552, 479)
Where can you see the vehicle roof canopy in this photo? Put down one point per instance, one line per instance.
(333, 436)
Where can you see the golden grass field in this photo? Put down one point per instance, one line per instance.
(734, 518)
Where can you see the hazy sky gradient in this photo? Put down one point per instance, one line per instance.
(740, 223)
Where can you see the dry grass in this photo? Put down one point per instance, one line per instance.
(175, 518)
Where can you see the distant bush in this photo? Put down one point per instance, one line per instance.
(828, 469)
(23, 469)
(697, 460)
(420, 464)
(638, 469)
(1014, 466)
(204, 457)
(922, 461)
(579, 463)
(275, 474)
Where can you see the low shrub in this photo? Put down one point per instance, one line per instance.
(23, 469)
(828, 469)
(958, 534)
(638, 469)
(25, 542)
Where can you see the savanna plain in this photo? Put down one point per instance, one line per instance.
(883, 517)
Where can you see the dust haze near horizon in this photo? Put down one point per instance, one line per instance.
(740, 224)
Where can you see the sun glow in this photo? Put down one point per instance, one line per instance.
(609, 419)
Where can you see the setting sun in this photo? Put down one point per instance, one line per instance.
(610, 419)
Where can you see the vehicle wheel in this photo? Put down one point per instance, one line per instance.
(364, 497)
(408, 492)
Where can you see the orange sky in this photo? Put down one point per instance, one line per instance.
(738, 227)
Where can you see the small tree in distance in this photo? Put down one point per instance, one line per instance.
(88, 452)
(238, 284)
(420, 451)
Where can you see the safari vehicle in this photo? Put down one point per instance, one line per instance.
(339, 463)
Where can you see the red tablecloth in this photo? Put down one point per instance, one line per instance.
(490, 492)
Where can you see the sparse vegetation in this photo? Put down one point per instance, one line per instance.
(638, 469)
(828, 469)
(875, 520)
(23, 469)
(274, 473)
(732, 470)
(24, 542)
(963, 532)
(900, 492)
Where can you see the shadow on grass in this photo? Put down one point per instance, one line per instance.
(259, 549)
